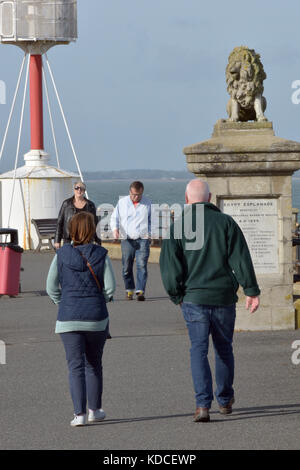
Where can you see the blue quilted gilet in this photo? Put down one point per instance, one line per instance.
(81, 299)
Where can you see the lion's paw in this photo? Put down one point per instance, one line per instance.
(262, 119)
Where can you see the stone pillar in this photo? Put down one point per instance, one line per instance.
(249, 171)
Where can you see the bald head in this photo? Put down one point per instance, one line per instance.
(197, 191)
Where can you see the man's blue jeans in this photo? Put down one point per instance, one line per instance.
(203, 320)
(140, 250)
(84, 351)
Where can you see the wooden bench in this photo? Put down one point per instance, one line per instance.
(45, 229)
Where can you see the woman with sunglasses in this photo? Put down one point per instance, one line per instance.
(71, 206)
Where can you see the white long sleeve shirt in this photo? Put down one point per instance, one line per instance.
(132, 221)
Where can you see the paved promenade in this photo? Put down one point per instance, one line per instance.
(148, 394)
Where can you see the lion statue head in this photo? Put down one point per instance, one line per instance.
(244, 77)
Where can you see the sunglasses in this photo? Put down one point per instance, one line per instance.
(81, 188)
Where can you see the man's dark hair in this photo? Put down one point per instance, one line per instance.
(137, 185)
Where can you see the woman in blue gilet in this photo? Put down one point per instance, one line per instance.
(81, 281)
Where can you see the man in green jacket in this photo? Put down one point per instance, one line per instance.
(202, 264)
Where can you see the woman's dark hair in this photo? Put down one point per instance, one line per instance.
(82, 228)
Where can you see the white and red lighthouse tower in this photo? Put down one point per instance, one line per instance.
(36, 189)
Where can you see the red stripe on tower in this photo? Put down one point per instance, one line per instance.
(36, 102)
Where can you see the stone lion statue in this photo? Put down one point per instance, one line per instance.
(244, 77)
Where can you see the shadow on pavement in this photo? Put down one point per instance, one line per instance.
(237, 414)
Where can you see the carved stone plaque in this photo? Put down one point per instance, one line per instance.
(258, 219)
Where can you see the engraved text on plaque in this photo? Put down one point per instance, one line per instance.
(258, 220)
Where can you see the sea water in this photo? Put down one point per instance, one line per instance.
(158, 191)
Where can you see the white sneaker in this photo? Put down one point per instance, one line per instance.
(79, 420)
(97, 415)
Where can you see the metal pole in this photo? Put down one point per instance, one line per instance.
(13, 105)
(36, 103)
(64, 119)
(50, 116)
(18, 142)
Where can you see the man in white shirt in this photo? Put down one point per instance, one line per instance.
(131, 223)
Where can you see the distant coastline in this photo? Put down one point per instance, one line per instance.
(151, 180)
(131, 175)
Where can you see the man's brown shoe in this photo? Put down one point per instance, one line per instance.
(202, 415)
(227, 409)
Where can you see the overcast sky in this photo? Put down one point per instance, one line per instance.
(147, 78)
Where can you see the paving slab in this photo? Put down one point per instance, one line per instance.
(148, 395)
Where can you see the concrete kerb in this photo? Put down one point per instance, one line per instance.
(114, 251)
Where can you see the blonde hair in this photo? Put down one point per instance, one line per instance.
(81, 183)
(82, 228)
